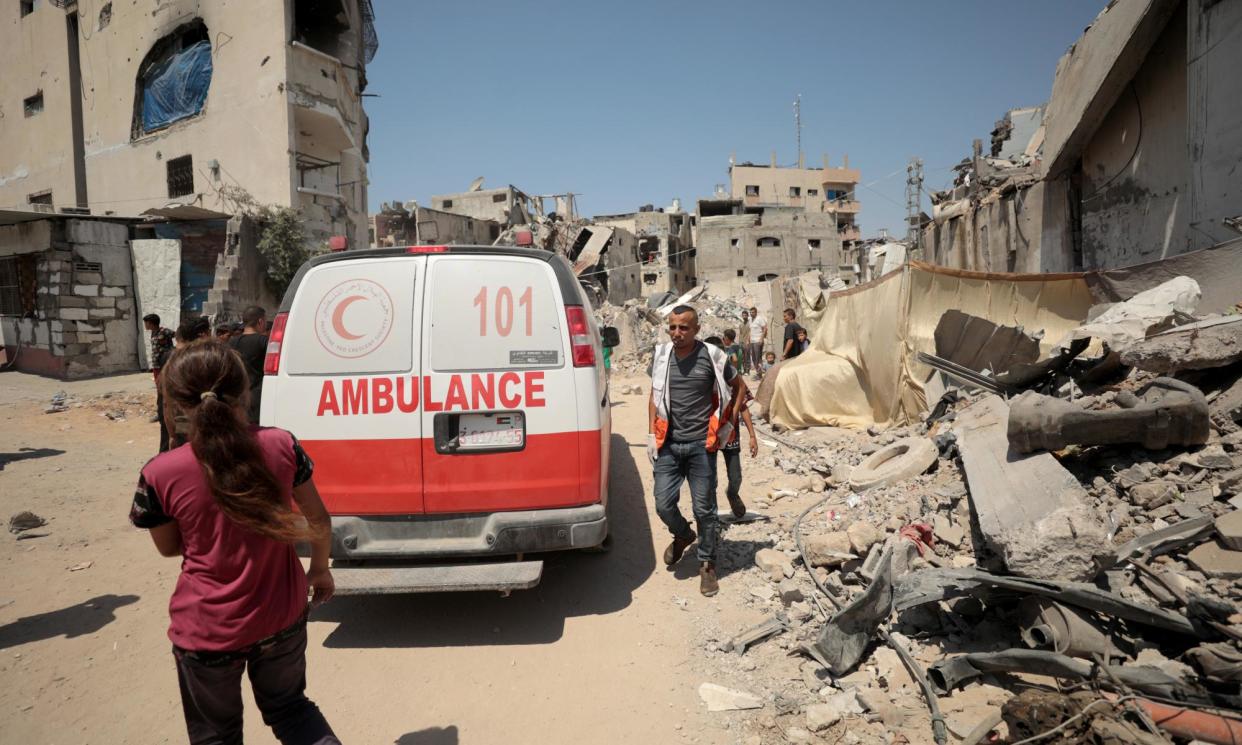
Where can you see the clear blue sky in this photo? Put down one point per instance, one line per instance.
(639, 102)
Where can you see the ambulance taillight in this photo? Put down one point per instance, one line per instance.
(275, 338)
(580, 336)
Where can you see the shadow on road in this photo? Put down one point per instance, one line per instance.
(86, 617)
(574, 584)
(429, 736)
(27, 454)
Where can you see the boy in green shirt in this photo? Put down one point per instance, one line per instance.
(733, 349)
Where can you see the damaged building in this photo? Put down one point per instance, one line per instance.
(1131, 160)
(411, 224)
(185, 121)
(665, 247)
(739, 244)
(778, 221)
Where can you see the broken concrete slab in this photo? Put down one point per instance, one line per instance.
(774, 563)
(820, 717)
(1031, 511)
(903, 459)
(1171, 412)
(828, 549)
(1215, 342)
(1122, 324)
(980, 344)
(863, 536)
(1229, 529)
(719, 698)
(789, 592)
(1216, 561)
(948, 532)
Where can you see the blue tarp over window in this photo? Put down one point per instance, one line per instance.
(177, 87)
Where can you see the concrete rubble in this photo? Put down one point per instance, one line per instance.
(1096, 542)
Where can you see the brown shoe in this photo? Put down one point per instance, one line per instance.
(738, 506)
(707, 579)
(673, 553)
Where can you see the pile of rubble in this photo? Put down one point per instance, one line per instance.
(1018, 566)
(640, 324)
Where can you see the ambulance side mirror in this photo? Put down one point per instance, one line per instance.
(609, 336)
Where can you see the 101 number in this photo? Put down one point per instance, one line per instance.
(502, 310)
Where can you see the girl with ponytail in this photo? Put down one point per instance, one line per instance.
(224, 502)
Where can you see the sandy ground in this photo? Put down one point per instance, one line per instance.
(601, 651)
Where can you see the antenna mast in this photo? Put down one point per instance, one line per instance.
(798, 126)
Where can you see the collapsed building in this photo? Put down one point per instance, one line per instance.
(1131, 160)
(411, 224)
(666, 251)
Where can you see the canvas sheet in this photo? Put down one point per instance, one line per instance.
(862, 367)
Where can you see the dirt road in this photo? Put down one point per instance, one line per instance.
(602, 651)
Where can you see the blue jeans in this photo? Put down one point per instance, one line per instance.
(687, 461)
(733, 469)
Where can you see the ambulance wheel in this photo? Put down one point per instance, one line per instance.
(602, 548)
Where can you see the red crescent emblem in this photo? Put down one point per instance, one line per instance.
(338, 317)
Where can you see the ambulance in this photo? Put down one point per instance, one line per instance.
(455, 404)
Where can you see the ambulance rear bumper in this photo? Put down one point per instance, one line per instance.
(366, 537)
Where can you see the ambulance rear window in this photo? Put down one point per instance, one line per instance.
(352, 317)
(493, 313)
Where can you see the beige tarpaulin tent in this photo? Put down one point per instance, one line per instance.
(862, 367)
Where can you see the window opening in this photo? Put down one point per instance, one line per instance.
(741, 272)
(323, 25)
(733, 242)
(499, 197)
(769, 242)
(648, 250)
(766, 277)
(813, 243)
(43, 199)
(446, 203)
(33, 105)
(181, 176)
(173, 79)
(650, 278)
(752, 190)
(18, 289)
(812, 192)
(795, 191)
(27, 7)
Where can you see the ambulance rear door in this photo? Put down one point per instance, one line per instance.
(348, 382)
(500, 419)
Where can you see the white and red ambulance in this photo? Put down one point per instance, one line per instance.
(455, 403)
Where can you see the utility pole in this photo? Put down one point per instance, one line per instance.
(914, 210)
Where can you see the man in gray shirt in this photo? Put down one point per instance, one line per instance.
(695, 394)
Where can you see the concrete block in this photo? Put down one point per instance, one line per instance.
(863, 536)
(54, 277)
(1031, 511)
(1229, 528)
(103, 302)
(86, 290)
(102, 313)
(58, 350)
(75, 349)
(71, 301)
(1216, 561)
(776, 564)
(89, 278)
(74, 314)
(98, 348)
(828, 549)
(125, 304)
(113, 292)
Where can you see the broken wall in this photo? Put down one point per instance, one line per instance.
(83, 323)
(1214, 56)
(1135, 174)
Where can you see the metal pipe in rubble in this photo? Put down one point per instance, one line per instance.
(1191, 724)
(940, 730)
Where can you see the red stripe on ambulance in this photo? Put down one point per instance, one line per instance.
(405, 393)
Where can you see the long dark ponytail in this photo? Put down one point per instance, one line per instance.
(207, 382)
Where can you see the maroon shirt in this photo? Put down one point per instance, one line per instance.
(236, 586)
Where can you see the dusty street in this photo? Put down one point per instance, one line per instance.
(604, 650)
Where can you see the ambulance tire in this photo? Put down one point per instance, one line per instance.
(602, 548)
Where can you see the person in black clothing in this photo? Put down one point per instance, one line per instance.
(792, 348)
(161, 348)
(252, 346)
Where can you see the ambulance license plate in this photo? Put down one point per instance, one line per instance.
(491, 431)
